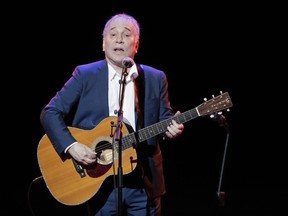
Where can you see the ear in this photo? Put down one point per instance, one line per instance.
(103, 45)
(136, 47)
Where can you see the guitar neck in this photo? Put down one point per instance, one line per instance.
(156, 129)
(213, 105)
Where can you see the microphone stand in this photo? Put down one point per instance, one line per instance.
(222, 122)
(118, 136)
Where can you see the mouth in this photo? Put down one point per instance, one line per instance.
(118, 50)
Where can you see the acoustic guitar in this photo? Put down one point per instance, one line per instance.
(72, 184)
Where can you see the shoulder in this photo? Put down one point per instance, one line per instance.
(90, 69)
(92, 66)
(150, 71)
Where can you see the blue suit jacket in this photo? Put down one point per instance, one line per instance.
(86, 95)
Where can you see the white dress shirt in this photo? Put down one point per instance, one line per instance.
(129, 95)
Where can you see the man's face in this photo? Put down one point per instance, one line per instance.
(120, 41)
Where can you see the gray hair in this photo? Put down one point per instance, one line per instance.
(126, 16)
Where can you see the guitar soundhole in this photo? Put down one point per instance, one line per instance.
(104, 159)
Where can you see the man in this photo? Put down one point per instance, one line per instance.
(95, 89)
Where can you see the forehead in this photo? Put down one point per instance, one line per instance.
(121, 22)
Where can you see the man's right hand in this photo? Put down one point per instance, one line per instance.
(82, 154)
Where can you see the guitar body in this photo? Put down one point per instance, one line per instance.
(62, 176)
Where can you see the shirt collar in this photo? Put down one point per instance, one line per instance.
(113, 74)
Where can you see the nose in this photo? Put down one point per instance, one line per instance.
(119, 39)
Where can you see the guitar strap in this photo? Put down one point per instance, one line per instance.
(139, 87)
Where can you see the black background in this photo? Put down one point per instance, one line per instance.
(204, 49)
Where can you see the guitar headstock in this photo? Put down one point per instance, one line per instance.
(215, 104)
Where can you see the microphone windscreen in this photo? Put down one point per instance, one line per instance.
(127, 62)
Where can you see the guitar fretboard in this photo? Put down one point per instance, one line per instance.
(208, 107)
(156, 129)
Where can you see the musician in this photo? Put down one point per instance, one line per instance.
(93, 93)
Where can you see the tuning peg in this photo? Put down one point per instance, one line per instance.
(216, 114)
(205, 99)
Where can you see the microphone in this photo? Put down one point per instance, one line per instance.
(127, 62)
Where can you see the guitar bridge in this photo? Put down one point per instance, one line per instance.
(132, 161)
